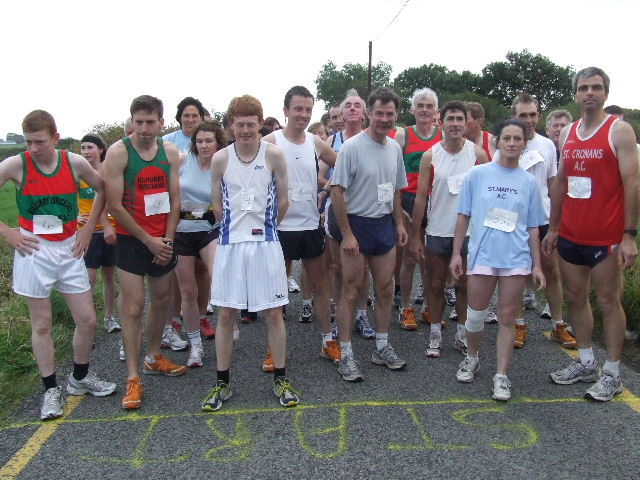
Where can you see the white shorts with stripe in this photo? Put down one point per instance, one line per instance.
(51, 266)
(249, 275)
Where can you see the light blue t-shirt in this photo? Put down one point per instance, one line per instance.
(509, 200)
(182, 141)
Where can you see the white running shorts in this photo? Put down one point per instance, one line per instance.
(249, 275)
(52, 266)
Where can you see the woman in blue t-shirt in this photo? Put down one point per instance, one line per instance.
(501, 203)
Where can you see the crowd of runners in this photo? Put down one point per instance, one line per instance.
(213, 215)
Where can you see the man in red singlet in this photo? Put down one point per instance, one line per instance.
(594, 224)
(414, 141)
(474, 128)
(142, 185)
(49, 251)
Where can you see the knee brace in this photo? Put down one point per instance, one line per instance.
(475, 320)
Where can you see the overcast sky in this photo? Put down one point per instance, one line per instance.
(84, 61)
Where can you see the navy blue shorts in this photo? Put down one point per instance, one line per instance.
(100, 253)
(376, 236)
(585, 255)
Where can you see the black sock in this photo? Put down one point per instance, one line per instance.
(223, 376)
(50, 381)
(80, 370)
(279, 373)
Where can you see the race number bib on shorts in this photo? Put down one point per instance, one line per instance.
(501, 219)
(385, 193)
(246, 200)
(579, 187)
(455, 182)
(46, 224)
(156, 203)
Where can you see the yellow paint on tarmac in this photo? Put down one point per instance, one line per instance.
(22, 457)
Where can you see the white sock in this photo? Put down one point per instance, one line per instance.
(362, 312)
(382, 340)
(436, 328)
(326, 337)
(473, 356)
(520, 321)
(346, 350)
(586, 356)
(194, 338)
(612, 367)
(149, 358)
(307, 301)
(462, 331)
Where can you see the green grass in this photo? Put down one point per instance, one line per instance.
(18, 371)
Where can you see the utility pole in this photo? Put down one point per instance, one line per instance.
(369, 72)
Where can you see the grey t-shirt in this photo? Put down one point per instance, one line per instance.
(370, 173)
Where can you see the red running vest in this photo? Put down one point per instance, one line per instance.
(599, 219)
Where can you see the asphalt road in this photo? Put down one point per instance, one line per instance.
(409, 424)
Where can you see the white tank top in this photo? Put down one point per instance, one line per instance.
(449, 172)
(195, 194)
(302, 173)
(249, 200)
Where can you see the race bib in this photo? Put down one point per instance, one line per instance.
(454, 182)
(529, 159)
(501, 219)
(246, 200)
(580, 187)
(47, 224)
(156, 203)
(385, 193)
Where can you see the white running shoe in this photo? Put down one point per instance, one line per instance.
(196, 354)
(501, 388)
(171, 339)
(293, 285)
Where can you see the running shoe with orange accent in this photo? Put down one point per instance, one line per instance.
(135, 392)
(163, 366)
(208, 330)
(407, 318)
(331, 351)
(268, 366)
(561, 335)
(522, 332)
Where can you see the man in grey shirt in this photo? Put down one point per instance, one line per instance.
(365, 193)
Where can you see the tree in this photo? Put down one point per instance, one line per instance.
(526, 72)
(109, 132)
(332, 83)
(439, 78)
(70, 144)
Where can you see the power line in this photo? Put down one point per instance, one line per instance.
(393, 20)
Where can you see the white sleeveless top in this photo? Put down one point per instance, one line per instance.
(195, 194)
(302, 173)
(449, 173)
(249, 200)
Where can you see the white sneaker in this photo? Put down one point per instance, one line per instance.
(546, 312)
(501, 388)
(171, 339)
(52, 404)
(491, 318)
(195, 356)
(90, 384)
(122, 355)
(467, 370)
(112, 324)
(293, 285)
(433, 349)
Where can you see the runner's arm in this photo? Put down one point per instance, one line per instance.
(276, 159)
(558, 190)
(218, 167)
(82, 169)
(325, 152)
(174, 190)
(420, 204)
(481, 156)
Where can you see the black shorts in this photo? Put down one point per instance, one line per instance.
(376, 236)
(542, 231)
(408, 201)
(134, 257)
(443, 246)
(100, 253)
(302, 244)
(586, 255)
(189, 244)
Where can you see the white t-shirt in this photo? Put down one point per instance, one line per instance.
(370, 173)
